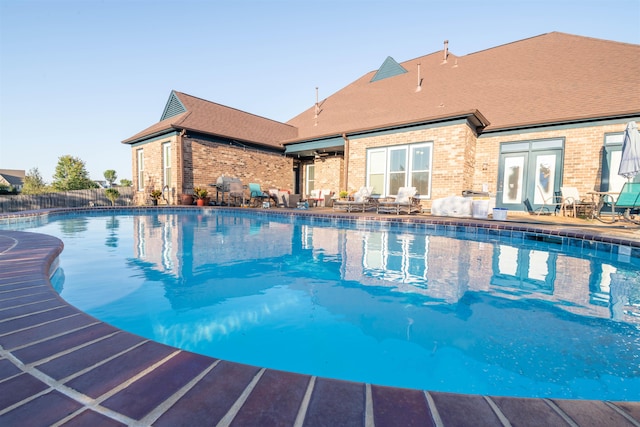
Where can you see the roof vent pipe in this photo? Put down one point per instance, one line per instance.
(446, 51)
(419, 87)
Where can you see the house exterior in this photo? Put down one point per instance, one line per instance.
(518, 121)
(197, 141)
(12, 179)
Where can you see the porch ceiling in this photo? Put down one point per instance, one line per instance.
(313, 148)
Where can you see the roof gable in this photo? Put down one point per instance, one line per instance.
(389, 68)
(173, 108)
(206, 117)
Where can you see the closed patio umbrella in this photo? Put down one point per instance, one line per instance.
(630, 161)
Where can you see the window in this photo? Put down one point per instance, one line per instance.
(611, 181)
(390, 168)
(166, 162)
(397, 169)
(140, 167)
(311, 178)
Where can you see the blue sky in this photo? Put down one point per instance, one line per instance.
(79, 76)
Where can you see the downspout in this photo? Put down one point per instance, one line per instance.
(345, 177)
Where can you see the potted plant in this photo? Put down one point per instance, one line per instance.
(343, 195)
(186, 199)
(155, 196)
(201, 195)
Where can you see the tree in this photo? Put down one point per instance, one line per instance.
(71, 174)
(110, 175)
(33, 182)
(112, 194)
(124, 182)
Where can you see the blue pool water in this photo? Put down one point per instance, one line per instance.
(421, 308)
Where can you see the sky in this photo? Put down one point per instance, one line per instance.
(79, 76)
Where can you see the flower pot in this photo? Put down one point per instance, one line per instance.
(154, 202)
(200, 202)
(186, 199)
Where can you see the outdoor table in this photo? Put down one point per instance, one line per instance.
(599, 199)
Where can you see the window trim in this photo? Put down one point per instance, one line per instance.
(307, 187)
(166, 164)
(140, 168)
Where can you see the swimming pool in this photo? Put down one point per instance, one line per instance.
(470, 312)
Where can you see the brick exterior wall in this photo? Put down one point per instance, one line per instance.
(582, 155)
(204, 162)
(329, 174)
(461, 161)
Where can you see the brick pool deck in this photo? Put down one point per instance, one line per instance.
(60, 366)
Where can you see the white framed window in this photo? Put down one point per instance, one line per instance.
(310, 178)
(140, 168)
(376, 170)
(389, 168)
(166, 164)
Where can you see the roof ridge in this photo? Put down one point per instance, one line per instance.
(231, 108)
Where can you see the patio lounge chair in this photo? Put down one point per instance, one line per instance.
(256, 195)
(629, 200)
(404, 202)
(361, 202)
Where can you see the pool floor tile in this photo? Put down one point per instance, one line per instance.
(464, 410)
(275, 400)
(8, 369)
(336, 403)
(92, 419)
(20, 387)
(36, 319)
(211, 398)
(42, 411)
(141, 397)
(88, 356)
(632, 408)
(47, 348)
(400, 407)
(40, 332)
(529, 412)
(592, 413)
(105, 377)
(26, 309)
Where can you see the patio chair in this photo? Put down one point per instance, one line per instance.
(319, 197)
(572, 202)
(361, 202)
(404, 202)
(236, 194)
(554, 201)
(256, 195)
(629, 200)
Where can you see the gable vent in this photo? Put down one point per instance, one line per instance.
(173, 107)
(389, 68)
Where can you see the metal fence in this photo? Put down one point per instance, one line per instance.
(64, 199)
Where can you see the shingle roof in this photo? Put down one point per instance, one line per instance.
(215, 119)
(14, 177)
(550, 78)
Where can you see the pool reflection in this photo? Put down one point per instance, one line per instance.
(194, 253)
